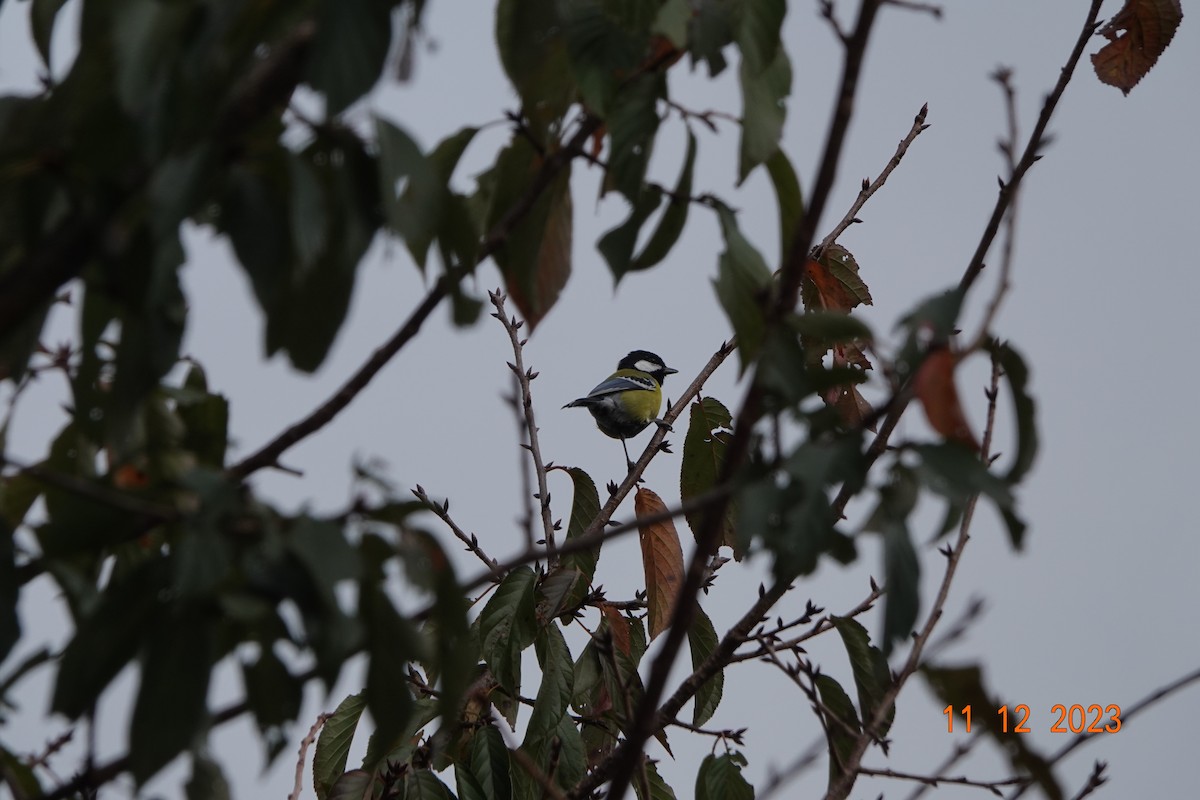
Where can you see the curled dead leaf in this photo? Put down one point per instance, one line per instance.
(1137, 36)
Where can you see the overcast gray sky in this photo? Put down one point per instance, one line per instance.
(1100, 606)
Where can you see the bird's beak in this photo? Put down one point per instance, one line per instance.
(669, 371)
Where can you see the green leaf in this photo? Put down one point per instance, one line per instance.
(720, 778)
(742, 282)
(789, 198)
(206, 420)
(841, 729)
(554, 692)
(902, 576)
(658, 788)
(321, 547)
(352, 785)
(600, 51)
(702, 641)
(422, 784)
(207, 781)
(766, 80)
(674, 217)
(333, 745)
(952, 470)
(391, 641)
(790, 509)
(709, 30)
(507, 627)
(932, 322)
(872, 677)
(617, 244)
(488, 766)
(535, 257)
(584, 508)
(709, 430)
(962, 686)
(672, 21)
(106, 640)
(334, 203)
(1016, 373)
(273, 693)
(831, 327)
(353, 37)
(632, 126)
(533, 51)
(171, 701)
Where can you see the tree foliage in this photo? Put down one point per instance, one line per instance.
(180, 113)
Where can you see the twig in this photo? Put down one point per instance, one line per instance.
(1008, 147)
(822, 625)
(960, 750)
(933, 780)
(305, 743)
(777, 780)
(870, 187)
(928, 8)
(705, 117)
(1095, 780)
(524, 377)
(442, 511)
(269, 453)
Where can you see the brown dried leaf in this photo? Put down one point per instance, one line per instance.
(934, 387)
(619, 627)
(851, 406)
(662, 560)
(1137, 36)
(833, 283)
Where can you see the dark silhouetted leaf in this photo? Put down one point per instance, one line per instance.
(353, 37)
(207, 781)
(709, 430)
(788, 196)
(1016, 373)
(506, 627)
(674, 217)
(841, 731)
(872, 677)
(554, 691)
(171, 701)
(766, 80)
(487, 766)
(742, 282)
(702, 641)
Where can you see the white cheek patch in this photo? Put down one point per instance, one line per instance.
(647, 366)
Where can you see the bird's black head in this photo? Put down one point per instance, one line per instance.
(645, 361)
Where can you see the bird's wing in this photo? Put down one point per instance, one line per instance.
(622, 383)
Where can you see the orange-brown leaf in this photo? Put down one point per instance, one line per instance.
(619, 627)
(662, 560)
(1137, 36)
(934, 387)
(833, 283)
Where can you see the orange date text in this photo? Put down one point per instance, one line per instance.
(1073, 718)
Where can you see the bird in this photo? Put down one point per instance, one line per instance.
(628, 400)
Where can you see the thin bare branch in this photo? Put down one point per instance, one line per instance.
(869, 188)
(524, 377)
(933, 780)
(442, 511)
(305, 743)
